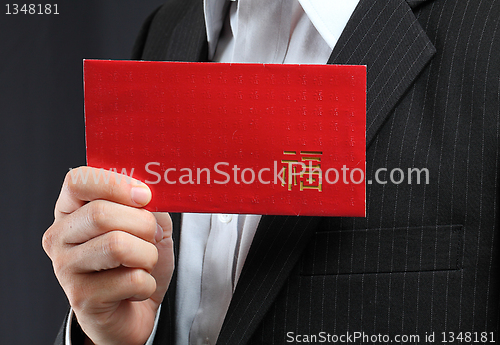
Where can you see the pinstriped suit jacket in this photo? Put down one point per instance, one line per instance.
(425, 258)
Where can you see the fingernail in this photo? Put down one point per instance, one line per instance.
(140, 195)
(159, 233)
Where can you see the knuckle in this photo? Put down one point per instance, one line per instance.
(144, 284)
(150, 218)
(148, 225)
(138, 278)
(97, 213)
(51, 239)
(48, 241)
(116, 247)
(152, 259)
(150, 222)
(55, 252)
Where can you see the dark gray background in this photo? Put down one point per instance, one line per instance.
(42, 136)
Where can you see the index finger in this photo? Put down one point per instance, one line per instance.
(85, 184)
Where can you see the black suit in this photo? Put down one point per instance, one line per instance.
(425, 258)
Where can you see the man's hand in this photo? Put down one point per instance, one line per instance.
(113, 259)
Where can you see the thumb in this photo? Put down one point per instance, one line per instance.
(165, 265)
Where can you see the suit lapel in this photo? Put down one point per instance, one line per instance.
(277, 245)
(385, 36)
(177, 33)
(416, 3)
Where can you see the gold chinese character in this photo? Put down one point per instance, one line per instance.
(309, 176)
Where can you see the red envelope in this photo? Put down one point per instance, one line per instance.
(231, 138)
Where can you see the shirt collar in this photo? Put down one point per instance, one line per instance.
(328, 17)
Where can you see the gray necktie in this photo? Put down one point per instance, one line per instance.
(266, 42)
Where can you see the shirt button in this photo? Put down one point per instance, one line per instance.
(225, 218)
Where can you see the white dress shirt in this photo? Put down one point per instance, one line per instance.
(213, 247)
